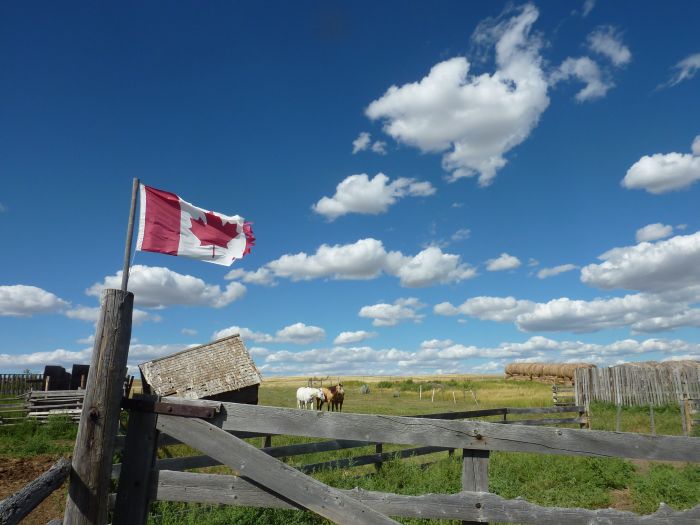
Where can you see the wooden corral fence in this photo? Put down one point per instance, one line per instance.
(563, 395)
(691, 416)
(636, 386)
(265, 481)
(549, 416)
(16, 384)
(40, 405)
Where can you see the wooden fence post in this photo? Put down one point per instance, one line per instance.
(651, 420)
(618, 414)
(92, 457)
(133, 493)
(475, 473)
(378, 448)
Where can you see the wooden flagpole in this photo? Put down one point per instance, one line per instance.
(130, 234)
(91, 465)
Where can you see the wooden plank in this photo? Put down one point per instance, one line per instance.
(139, 455)
(473, 506)
(545, 421)
(271, 473)
(475, 473)
(545, 410)
(16, 507)
(456, 434)
(358, 461)
(190, 462)
(92, 457)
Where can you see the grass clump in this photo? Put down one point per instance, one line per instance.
(31, 438)
(679, 488)
(558, 480)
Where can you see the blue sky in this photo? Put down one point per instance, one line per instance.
(434, 187)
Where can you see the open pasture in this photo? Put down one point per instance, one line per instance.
(635, 485)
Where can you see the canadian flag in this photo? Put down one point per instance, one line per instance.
(168, 224)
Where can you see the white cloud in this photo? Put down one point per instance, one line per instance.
(360, 194)
(661, 173)
(556, 270)
(379, 147)
(384, 314)
(473, 119)
(92, 314)
(654, 232)
(261, 276)
(606, 40)
(588, 72)
(300, 334)
(346, 338)
(441, 356)
(461, 234)
(671, 265)
(89, 340)
(18, 300)
(361, 143)
(588, 6)
(367, 259)
(432, 266)
(503, 262)
(487, 308)
(684, 70)
(155, 286)
(138, 353)
(297, 333)
(188, 331)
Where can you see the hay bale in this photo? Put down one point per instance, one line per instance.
(545, 370)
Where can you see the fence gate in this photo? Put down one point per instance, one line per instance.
(260, 480)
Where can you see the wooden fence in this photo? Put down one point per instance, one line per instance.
(268, 482)
(563, 395)
(549, 416)
(626, 385)
(40, 405)
(16, 384)
(690, 416)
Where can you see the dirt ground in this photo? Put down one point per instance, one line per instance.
(17, 472)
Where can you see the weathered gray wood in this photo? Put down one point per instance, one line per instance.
(475, 506)
(14, 508)
(270, 473)
(94, 445)
(139, 457)
(544, 410)
(370, 458)
(456, 434)
(545, 421)
(652, 426)
(475, 473)
(190, 462)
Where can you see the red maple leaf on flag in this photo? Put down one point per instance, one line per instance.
(213, 232)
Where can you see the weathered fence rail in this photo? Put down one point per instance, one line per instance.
(200, 461)
(16, 507)
(637, 385)
(267, 482)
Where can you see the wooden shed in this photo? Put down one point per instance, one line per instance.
(222, 370)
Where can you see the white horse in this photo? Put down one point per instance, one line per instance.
(306, 396)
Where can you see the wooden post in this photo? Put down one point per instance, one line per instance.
(267, 441)
(454, 399)
(581, 415)
(681, 405)
(46, 383)
(432, 398)
(378, 450)
(133, 494)
(651, 420)
(688, 416)
(130, 233)
(617, 417)
(420, 391)
(475, 473)
(92, 457)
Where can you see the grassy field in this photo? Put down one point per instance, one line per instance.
(548, 480)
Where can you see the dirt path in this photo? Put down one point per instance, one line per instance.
(17, 472)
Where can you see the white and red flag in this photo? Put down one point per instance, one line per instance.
(173, 226)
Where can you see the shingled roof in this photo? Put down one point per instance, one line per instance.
(206, 370)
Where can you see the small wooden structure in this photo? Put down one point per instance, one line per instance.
(221, 371)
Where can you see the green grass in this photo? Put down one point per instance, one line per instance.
(542, 479)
